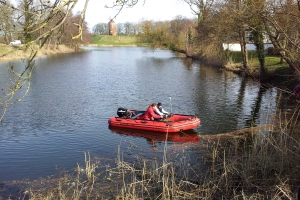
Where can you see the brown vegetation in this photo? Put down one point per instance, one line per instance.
(18, 53)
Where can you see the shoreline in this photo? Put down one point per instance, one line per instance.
(11, 53)
(18, 53)
(14, 53)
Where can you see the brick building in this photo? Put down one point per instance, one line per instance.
(112, 28)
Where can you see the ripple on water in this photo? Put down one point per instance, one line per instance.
(72, 96)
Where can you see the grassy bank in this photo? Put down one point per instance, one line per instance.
(278, 73)
(271, 62)
(119, 40)
(8, 52)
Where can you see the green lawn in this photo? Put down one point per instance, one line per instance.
(272, 63)
(119, 40)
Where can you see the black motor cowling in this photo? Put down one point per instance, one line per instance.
(122, 112)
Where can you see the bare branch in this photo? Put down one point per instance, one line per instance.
(34, 19)
(120, 4)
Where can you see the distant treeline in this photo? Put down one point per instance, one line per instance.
(121, 29)
(171, 34)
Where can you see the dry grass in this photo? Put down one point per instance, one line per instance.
(8, 52)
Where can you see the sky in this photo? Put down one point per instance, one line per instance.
(157, 10)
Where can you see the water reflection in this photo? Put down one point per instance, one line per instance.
(188, 63)
(153, 137)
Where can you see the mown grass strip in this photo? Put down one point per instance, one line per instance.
(119, 40)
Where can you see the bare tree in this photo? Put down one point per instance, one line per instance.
(100, 29)
(201, 8)
(69, 30)
(171, 34)
(120, 29)
(281, 22)
(33, 19)
(180, 28)
(121, 4)
(128, 28)
(257, 29)
(7, 24)
(238, 11)
(215, 25)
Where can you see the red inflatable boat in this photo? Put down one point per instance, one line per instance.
(132, 119)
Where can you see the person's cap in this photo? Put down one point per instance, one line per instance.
(159, 104)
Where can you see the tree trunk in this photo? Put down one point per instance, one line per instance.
(244, 50)
(189, 43)
(258, 38)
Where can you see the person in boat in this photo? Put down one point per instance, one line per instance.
(157, 111)
(161, 110)
(150, 113)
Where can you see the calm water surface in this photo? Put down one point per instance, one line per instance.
(72, 96)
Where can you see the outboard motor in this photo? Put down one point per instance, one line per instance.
(122, 112)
